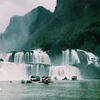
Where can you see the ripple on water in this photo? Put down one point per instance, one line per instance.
(59, 90)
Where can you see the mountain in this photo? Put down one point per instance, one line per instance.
(20, 28)
(75, 24)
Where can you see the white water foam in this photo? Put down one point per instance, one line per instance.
(91, 58)
(60, 72)
(70, 57)
(37, 60)
(12, 71)
(33, 57)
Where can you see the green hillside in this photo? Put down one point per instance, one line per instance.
(73, 25)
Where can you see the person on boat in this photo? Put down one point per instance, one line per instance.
(46, 81)
(32, 78)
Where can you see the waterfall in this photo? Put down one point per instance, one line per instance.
(27, 57)
(19, 57)
(11, 71)
(23, 65)
(69, 58)
(60, 72)
(79, 56)
(87, 57)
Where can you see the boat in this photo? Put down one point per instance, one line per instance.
(35, 78)
(74, 77)
(46, 80)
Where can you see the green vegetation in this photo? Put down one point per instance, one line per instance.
(75, 24)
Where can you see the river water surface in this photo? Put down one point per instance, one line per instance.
(58, 90)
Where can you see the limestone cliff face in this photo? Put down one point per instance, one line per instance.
(20, 27)
(75, 24)
(76, 8)
(20, 24)
(83, 5)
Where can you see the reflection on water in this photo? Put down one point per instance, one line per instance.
(59, 90)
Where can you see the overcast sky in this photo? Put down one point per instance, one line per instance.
(8, 8)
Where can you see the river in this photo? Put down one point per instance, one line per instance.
(58, 90)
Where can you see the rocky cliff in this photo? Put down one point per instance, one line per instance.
(74, 24)
(21, 28)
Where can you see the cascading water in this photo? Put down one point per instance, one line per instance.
(60, 72)
(18, 58)
(22, 65)
(12, 71)
(69, 58)
(27, 57)
(88, 57)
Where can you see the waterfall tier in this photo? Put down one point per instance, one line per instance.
(29, 57)
(69, 58)
(79, 56)
(12, 71)
(22, 65)
(60, 72)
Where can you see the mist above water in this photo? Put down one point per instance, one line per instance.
(12, 71)
(62, 71)
(70, 58)
(17, 32)
(22, 65)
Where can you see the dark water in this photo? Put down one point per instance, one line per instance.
(59, 90)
